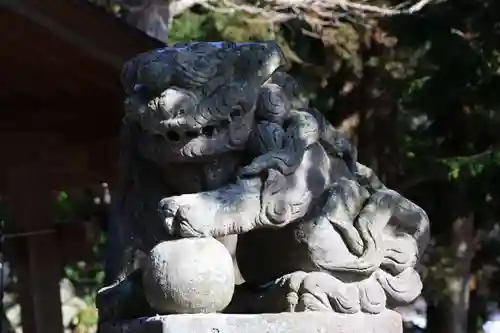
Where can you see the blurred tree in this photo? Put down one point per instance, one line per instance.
(453, 88)
(155, 16)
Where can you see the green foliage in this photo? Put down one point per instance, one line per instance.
(87, 277)
(472, 166)
(64, 207)
(188, 26)
(210, 26)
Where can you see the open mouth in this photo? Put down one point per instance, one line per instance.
(208, 131)
(183, 144)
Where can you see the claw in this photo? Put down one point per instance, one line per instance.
(168, 210)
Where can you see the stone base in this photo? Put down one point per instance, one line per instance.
(304, 322)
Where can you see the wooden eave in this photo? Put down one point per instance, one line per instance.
(60, 110)
(60, 64)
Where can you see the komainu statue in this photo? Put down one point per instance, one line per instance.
(229, 174)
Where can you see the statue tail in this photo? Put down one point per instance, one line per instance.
(369, 224)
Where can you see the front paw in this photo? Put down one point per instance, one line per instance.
(281, 160)
(290, 284)
(184, 216)
(168, 210)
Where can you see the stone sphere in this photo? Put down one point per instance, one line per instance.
(191, 275)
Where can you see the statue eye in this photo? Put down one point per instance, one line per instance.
(173, 136)
(236, 112)
(208, 130)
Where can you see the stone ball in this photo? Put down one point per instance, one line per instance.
(192, 275)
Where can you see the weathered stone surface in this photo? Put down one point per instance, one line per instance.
(304, 322)
(218, 144)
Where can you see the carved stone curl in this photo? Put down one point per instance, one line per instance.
(217, 143)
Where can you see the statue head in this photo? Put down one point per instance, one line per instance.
(197, 100)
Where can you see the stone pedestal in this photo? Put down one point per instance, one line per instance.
(304, 322)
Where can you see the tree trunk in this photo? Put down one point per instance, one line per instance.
(114, 243)
(474, 307)
(464, 247)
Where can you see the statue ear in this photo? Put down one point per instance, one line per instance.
(259, 60)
